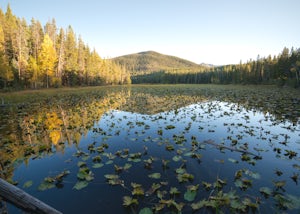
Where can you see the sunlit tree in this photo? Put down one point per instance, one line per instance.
(6, 73)
(71, 57)
(36, 38)
(33, 72)
(47, 59)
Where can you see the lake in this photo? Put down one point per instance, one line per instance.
(156, 148)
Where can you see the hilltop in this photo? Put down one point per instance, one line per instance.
(151, 61)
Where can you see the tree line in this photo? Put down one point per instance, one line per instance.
(33, 56)
(283, 69)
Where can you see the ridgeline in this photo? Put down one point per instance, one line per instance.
(151, 62)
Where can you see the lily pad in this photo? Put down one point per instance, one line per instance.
(266, 191)
(27, 184)
(45, 186)
(176, 158)
(170, 127)
(199, 205)
(174, 191)
(128, 201)
(156, 175)
(190, 195)
(146, 210)
(80, 185)
(98, 165)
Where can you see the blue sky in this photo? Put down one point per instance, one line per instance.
(209, 31)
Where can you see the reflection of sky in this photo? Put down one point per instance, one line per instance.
(218, 121)
(255, 128)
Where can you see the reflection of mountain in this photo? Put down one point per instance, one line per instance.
(282, 104)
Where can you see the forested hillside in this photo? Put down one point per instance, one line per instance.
(149, 62)
(36, 56)
(283, 69)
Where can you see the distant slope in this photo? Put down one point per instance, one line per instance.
(151, 61)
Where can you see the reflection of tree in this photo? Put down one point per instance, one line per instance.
(36, 130)
(53, 125)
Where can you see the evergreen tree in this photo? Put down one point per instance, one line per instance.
(71, 57)
(22, 50)
(6, 73)
(36, 38)
(81, 60)
(60, 50)
(50, 29)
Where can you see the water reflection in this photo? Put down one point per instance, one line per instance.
(155, 124)
(38, 129)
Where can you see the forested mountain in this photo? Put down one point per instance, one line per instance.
(151, 61)
(36, 56)
(283, 69)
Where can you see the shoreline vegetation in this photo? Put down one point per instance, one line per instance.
(20, 96)
(33, 56)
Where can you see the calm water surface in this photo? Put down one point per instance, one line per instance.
(211, 139)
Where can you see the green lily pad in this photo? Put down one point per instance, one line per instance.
(85, 158)
(128, 201)
(98, 165)
(155, 175)
(45, 186)
(174, 191)
(80, 185)
(146, 210)
(111, 176)
(109, 162)
(81, 164)
(254, 175)
(176, 158)
(127, 166)
(199, 205)
(180, 170)
(27, 184)
(137, 189)
(266, 191)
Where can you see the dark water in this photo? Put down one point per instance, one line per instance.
(207, 138)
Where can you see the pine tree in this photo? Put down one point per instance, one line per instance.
(71, 56)
(10, 28)
(6, 73)
(81, 60)
(60, 50)
(22, 50)
(50, 29)
(36, 38)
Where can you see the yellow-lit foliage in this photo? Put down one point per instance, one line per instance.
(47, 59)
(55, 136)
(53, 124)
